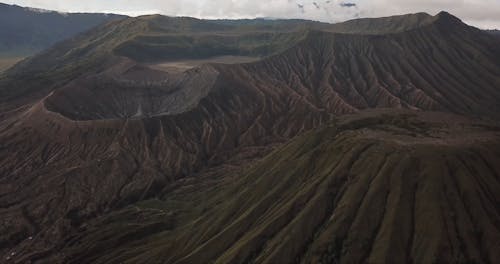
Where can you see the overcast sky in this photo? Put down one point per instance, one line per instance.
(480, 13)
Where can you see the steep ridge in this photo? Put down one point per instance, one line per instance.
(335, 73)
(156, 37)
(383, 25)
(85, 143)
(422, 68)
(132, 91)
(378, 186)
(140, 39)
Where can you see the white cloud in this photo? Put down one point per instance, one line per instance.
(481, 13)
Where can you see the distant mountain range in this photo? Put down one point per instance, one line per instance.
(495, 32)
(25, 31)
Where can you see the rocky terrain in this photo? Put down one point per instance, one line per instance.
(108, 159)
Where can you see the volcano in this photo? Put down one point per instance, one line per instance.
(179, 140)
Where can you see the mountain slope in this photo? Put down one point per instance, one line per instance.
(88, 134)
(383, 186)
(25, 31)
(141, 39)
(332, 72)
